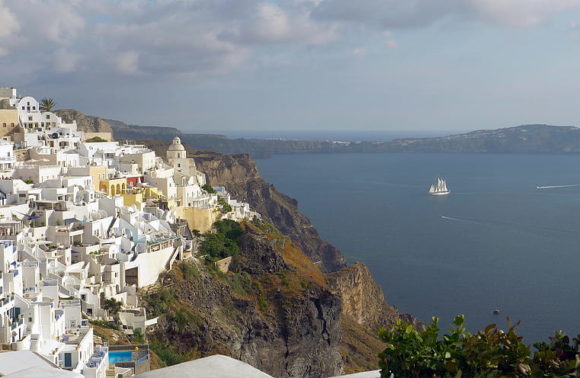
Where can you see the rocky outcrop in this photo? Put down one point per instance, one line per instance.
(280, 322)
(362, 299)
(239, 175)
(264, 258)
(85, 123)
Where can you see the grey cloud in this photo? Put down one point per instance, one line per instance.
(393, 14)
(206, 37)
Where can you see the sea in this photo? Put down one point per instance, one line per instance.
(496, 242)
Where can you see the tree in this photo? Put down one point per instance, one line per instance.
(208, 188)
(112, 306)
(488, 353)
(47, 104)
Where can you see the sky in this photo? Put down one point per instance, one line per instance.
(299, 65)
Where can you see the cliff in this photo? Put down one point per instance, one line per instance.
(365, 308)
(84, 122)
(273, 311)
(362, 298)
(239, 175)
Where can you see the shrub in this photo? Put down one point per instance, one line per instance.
(96, 139)
(490, 353)
(168, 356)
(138, 336)
(189, 270)
(112, 306)
(208, 188)
(106, 324)
(223, 243)
(160, 301)
(231, 229)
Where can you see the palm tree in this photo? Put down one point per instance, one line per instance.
(47, 104)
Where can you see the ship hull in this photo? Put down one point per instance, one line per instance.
(440, 193)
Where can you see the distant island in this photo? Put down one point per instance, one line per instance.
(536, 138)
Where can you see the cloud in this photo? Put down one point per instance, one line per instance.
(520, 13)
(393, 14)
(158, 38)
(65, 61)
(8, 27)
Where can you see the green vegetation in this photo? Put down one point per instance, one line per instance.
(189, 270)
(168, 356)
(106, 324)
(224, 206)
(138, 336)
(47, 104)
(96, 139)
(112, 306)
(208, 188)
(488, 353)
(160, 301)
(241, 283)
(223, 243)
(266, 227)
(29, 181)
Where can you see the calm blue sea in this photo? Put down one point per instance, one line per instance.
(495, 242)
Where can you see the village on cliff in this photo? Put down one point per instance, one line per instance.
(84, 222)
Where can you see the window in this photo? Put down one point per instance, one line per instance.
(67, 360)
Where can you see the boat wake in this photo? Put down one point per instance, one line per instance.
(512, 226)
(556, 186)
(459, 219)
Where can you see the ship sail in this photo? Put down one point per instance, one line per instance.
(439, 188)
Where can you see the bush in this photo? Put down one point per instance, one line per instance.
(208, 188)
(168, 356)
(223, 243)
(189, 270)
(231, 229)
(112, 306)
(138, 336)
(96, 139)
(160, 301)
(490, 353)
(106, 324)
(224, 206)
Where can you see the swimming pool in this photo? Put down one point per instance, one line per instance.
(115, 357)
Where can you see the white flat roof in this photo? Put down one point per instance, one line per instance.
(210, 367)
(24, 364)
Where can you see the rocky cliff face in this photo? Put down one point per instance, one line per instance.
(365, 308)
(273, 312)
(239, 175)
(362, 299)
(84, 122)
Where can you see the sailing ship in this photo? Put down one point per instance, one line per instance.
(439, 188)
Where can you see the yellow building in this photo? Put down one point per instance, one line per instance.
(113, 187)
(134, 197)
(198, 218)
(98, 174)
(8, 119)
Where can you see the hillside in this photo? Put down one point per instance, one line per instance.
(518, 139)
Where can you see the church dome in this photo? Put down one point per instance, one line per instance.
(176, 145)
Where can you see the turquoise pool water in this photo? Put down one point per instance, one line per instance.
(115, 357)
